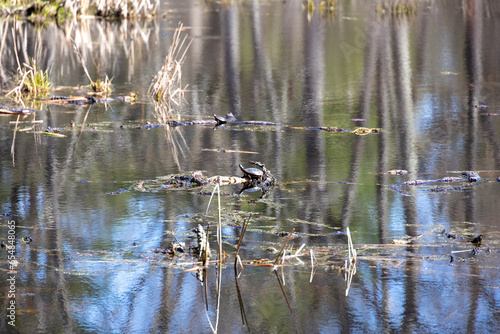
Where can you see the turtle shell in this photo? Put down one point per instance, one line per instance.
(220, 120)
(253, 173)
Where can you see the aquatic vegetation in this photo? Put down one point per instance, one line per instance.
(102, 87)
(110, 8)
(167, 84)
(131, 8)
(325, 6)
(397, 7)
(203, 247)
(31, 80)
(361, 131)
(21, 9)
(195, 179)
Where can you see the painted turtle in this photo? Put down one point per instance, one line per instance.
(220, 120)
(252, 173)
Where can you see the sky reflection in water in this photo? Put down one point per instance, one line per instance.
(92, 266)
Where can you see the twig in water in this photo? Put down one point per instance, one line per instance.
(219, 267)
(350, 273)
(297, 253)
(240, 300)
(167, 84)
(282, 249)
(80, 58)
(219, 224)
(313, 267)
(350, 267)
(237, 275)
(283, 291)
(12, 148)
(75, 146)
(352, 251)
(237, 256)
(99, 87)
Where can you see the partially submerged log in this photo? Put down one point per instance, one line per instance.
(266, 180)
(200, 179)
(197, 179)
(17, 111)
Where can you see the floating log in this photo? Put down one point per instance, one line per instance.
(17, 111)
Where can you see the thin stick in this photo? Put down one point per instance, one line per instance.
(240, 241)
(461, 251)
(349, 244)
(12, 148)
(81, 129)
(283, 248)
(217, 187)
(350, 273)
(312, 266)
(283, 270)
(210, 200)
(352, 250)
(219, 283)
(27, 122)
(298, 250)
(78, 53)
(15, 49)
(240, 299)
(219, 224)
(283, 291)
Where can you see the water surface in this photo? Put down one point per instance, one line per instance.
(92, 266)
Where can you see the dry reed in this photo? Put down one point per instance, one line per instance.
(167, 84)
(30, 80)
(237, 258)
(350, 266)
(219, 267)
(100, 88)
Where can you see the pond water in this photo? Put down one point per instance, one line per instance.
(429, 80)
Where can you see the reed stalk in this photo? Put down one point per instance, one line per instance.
(350, 247)
(30, 80)
(166, 86)
(219, 266)
(280, 257)
(100, 88)
(350, 265)
(237, 258)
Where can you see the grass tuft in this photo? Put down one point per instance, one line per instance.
(398, 7)
(31, 80)
(102, 88)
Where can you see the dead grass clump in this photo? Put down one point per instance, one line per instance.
(112, 8)
(167, 84)
(131, 8)
(102, 87)
(31, 81)
(397, 7)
